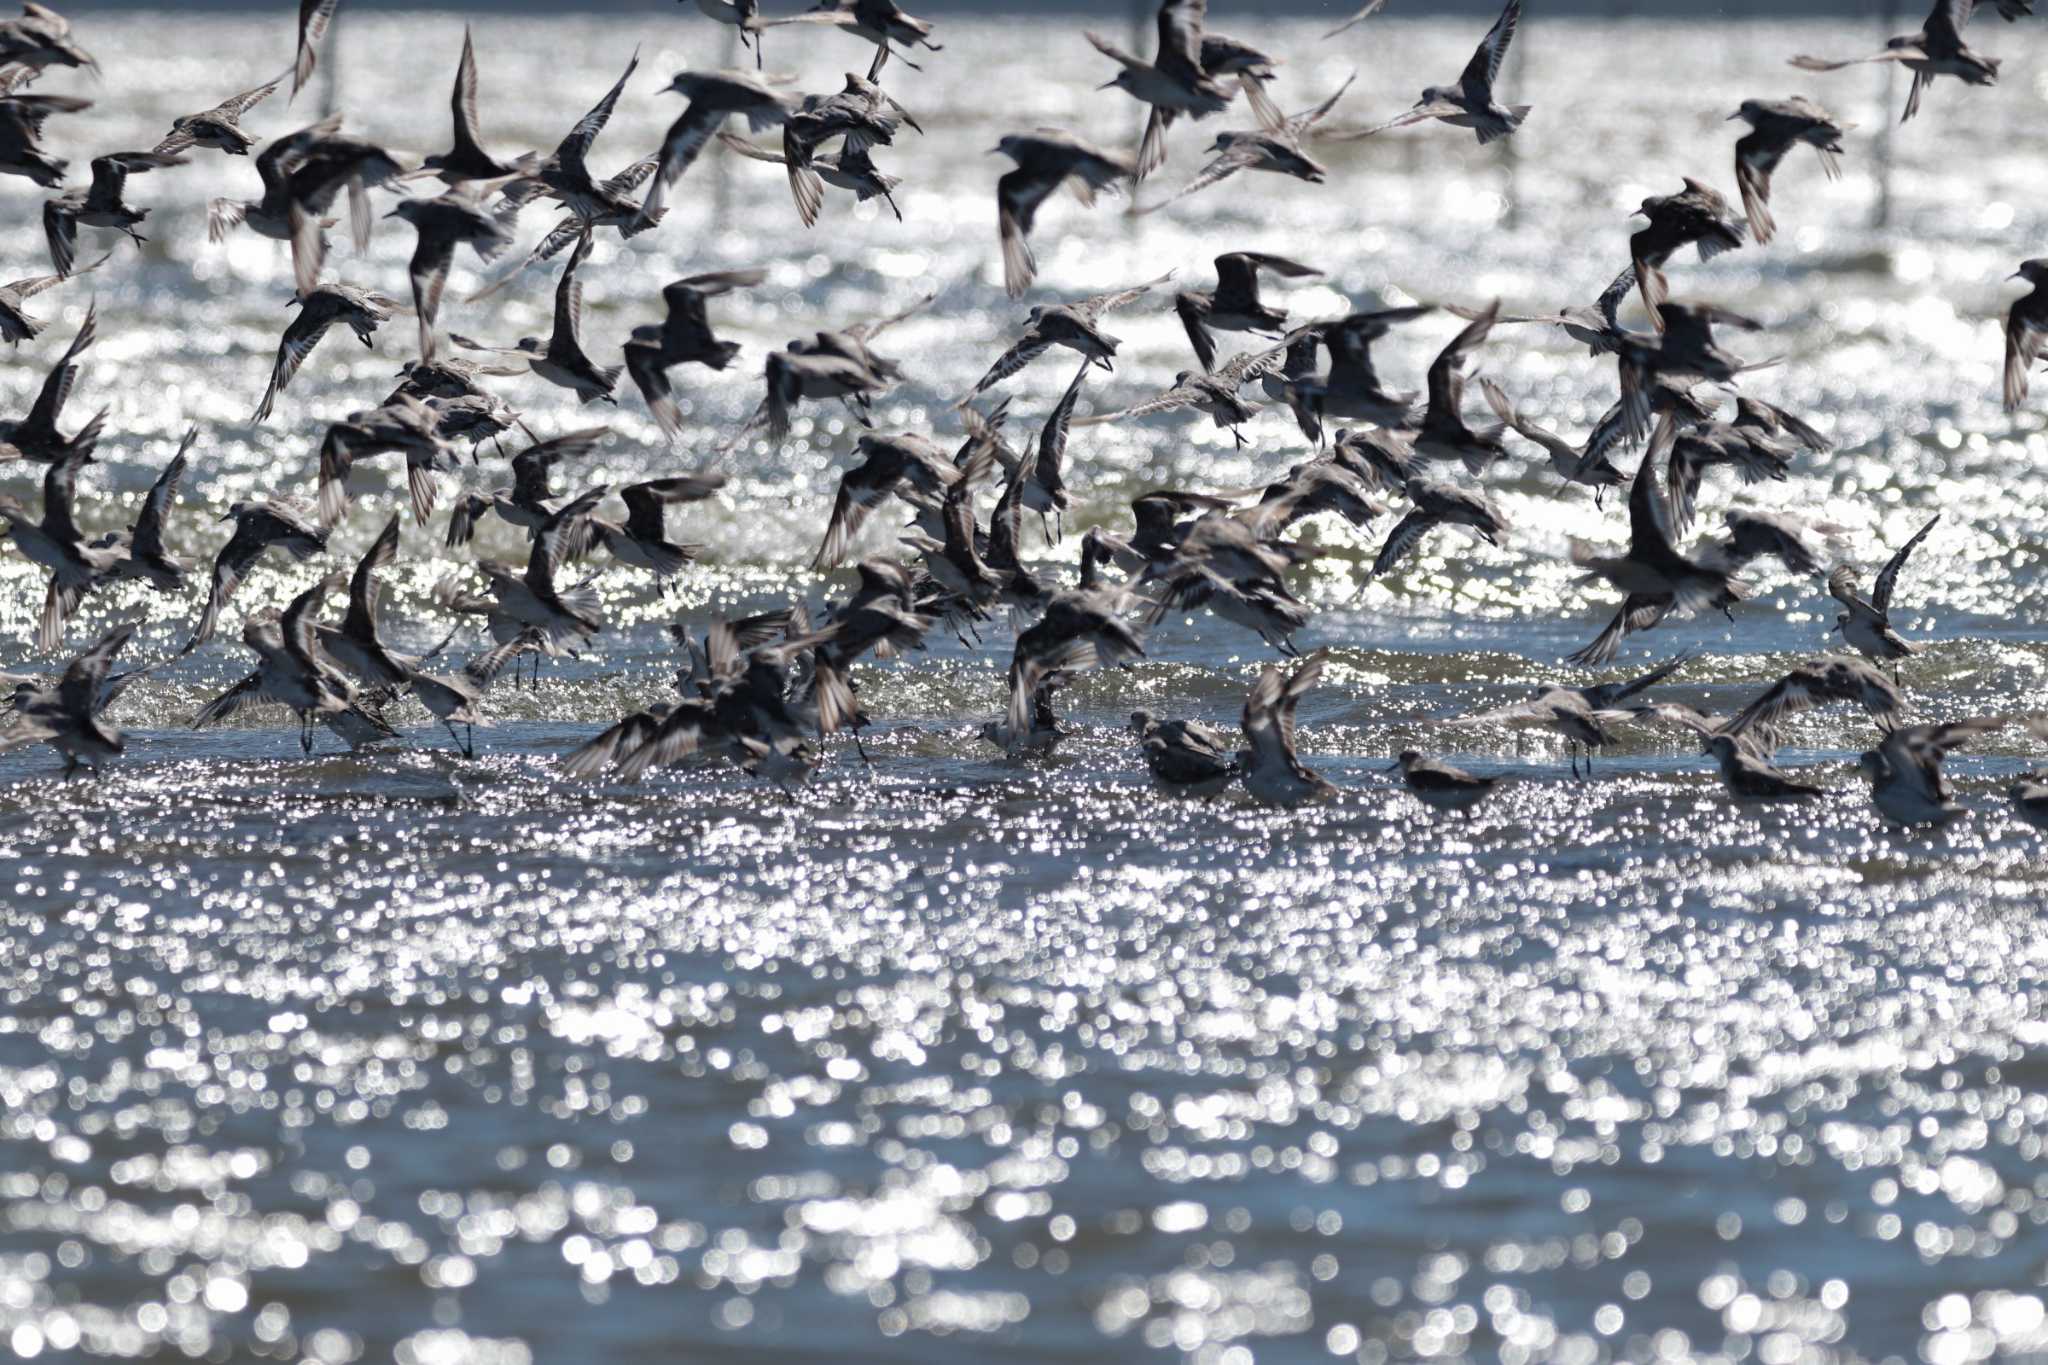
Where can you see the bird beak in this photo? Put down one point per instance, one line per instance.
(2017, 275)
(1393, 767)
(1106, 85)
(1736, 115)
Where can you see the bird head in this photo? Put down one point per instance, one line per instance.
(1141, 721)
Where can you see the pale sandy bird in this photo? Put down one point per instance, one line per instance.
(220, 127)
(40, 39)
(1073, 325)
(1278, 150)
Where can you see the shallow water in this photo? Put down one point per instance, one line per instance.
(398, 1055)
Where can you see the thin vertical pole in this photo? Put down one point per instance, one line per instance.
(1881, 211)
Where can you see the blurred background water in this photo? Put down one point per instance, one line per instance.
(399, 1056)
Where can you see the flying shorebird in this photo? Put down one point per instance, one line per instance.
(1776, 127)
(314, 18)
(41, 39)
(1273, 771)
(1185, 755)
(1444, 434)
(1819, 682)
(642, 539)
(1172, 83)
(219, 127)
(53, 541)
(455, 697)
(880, 22)
(1581, 464)
(851, 169)
(98, 205)
(443, 223)
(36, 437)
(1234, 304)
(1697, 216)
(467, 160)
(530, 501)
(1653, 566)
(1215, 395)
(683, 337)
(560, 358)
(359, 309)
(1278, 150)
(2026, 330)
(1046, 159)
(70, 716)
(259, 525)
(1470, 103)
(1937, 49)
(1073, 325)
(1750, 776)
(1907, 784)
(714, 96)
(143, 554)
(1437, 504)
(744, 15)
(1867, 625)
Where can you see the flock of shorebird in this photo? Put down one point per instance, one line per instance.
(766, 692)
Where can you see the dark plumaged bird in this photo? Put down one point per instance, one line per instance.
(1775, 128)
(36, 437)
(1697, 216)
(98, 205)
(744, 15)
(467, 160)
(1173, 82)
(360, 310)
(851, 169)
(1439, 785)
(144, 556)
(442, 224)
(1470, 103)
(1866, 623)
(69, 717)
(1234, 304)
(54, 542)
(1937, 49)
(1444, 433)
(714, 96)
(2026, 330)
(1046, 160)
(530, 501)
(880, 22)
(1185, 755)
(259, 524)
(642, 539)
(1273, 771)
(683, 337)
(21, 131)
(560, 357)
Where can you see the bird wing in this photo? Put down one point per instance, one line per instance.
(1888, 576)
(1484, 68)
(361, 621)
(1447, 371)
(1052, 438)
(147, 537)
(576, 146)
(56, 388)
(298, 342)
(1094, 306)
(314, 17)
(1308, 118)
(462, 101)
(79, 690)
(1222, 166)
(1372, 7)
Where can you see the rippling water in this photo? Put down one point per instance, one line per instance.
(400, 1056)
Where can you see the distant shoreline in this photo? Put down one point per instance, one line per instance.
(1223, 10)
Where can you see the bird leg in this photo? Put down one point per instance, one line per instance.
(469, 739)
(862, 750)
